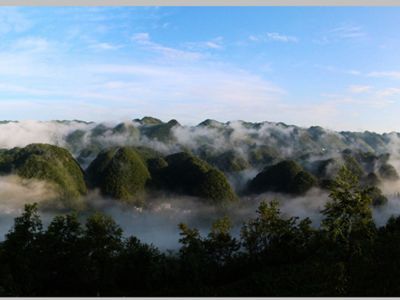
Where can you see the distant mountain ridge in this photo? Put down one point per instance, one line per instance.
(231, 146)
(211, 160)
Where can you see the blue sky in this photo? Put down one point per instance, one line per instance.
(334, 67)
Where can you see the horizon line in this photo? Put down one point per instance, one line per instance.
(122, 120)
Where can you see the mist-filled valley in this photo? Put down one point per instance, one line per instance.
(151, 175)
(152, 208)
(159, 150)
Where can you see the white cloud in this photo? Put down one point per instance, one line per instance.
(23, 64)
(254, 38)
(214, 44)
(274, 37)
(347, 31)
(388, 92)
(11, 20)
(352, 72)
(190, 93)
(342, 32)
(32, 44)
(104, 46)
(334, 69)
(178, 80)
(385, 74)
(143, 39)
(359, 89)
(13, 88)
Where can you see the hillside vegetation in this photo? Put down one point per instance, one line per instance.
(129, 161)
(275, 255)
(49, 163)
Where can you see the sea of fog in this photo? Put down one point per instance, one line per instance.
(157, 224)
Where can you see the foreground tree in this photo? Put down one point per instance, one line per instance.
(193, 261)
(141, 267)
(63, 257)
(20, 251)
(348, 217)
(220, 245)
(270, 236)
(276, 255)
(103, 242)
(348, 234)
(385, 266)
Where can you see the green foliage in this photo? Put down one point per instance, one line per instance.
(193, 257)
(270, 233)
(161, 132)
(354, 167)
(348, 217)
(147, 153)
(210, 123)
(372, 179)
(103, 241)
(378, 199)
(149, 121)
(220, 245)
(214, 187)
(385, 271)
(327, 168)
(302, 182)
(388, 172)
(99, 130)
(138, 268)
(127, 129)
(75, 139)
(103, 234)
(192, 176)
(228, 161)
(276, 255)
(191, 242)
(125, 173)
(119, 173)
(286, 177)
(63, 257)
(261, 155)
(49, 163)
(21, 244)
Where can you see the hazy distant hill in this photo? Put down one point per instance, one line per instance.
(231, 146)
(129, 158)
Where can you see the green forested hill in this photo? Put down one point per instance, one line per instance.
(49, 163)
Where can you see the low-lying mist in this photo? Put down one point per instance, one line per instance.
(157, 222)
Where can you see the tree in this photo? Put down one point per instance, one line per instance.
(140, 269)
(220, 245)
(268, 230)
(103, 242)
(348, 233)
(20, 252)
(193, 260)
(286, 176)
(63, 257)
(277, 251)
(385, 271)
(348, 216)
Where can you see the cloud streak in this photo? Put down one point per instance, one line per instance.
(143, 39)
(385, 74)
(13, 21)
(273, 37)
